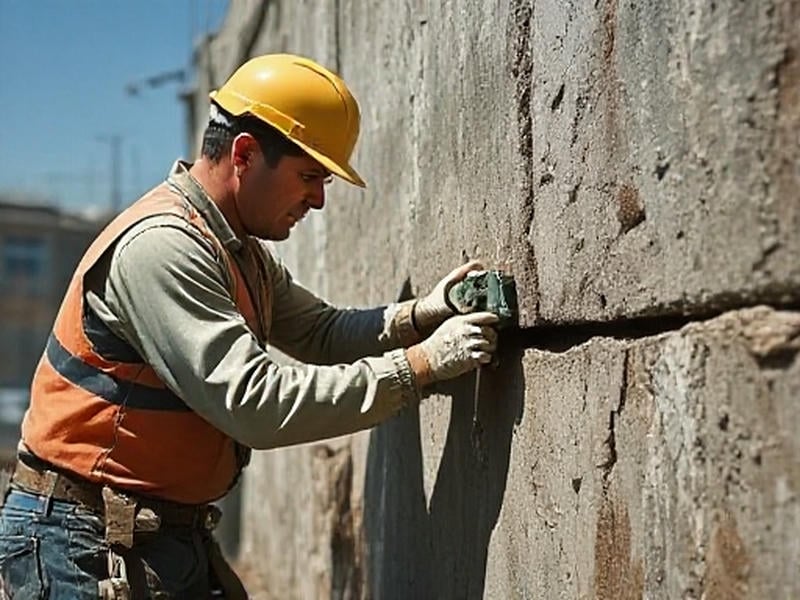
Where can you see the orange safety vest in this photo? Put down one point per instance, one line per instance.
(99, 411)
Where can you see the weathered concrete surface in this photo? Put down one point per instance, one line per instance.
(665, 156)
(662, 467)
(623, 160)
(301, 537)
(665, 467)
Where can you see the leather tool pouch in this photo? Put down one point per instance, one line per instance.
(120, 513)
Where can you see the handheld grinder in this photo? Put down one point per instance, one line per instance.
(492, 291)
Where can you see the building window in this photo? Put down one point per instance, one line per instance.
(25, 264)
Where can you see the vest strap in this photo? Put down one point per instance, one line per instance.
(108, 387)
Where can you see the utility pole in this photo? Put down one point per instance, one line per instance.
(179, 76)
(114, 142)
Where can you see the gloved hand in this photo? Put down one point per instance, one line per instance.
(459, 345)
(430, 311)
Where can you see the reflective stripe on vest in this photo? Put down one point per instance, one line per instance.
(98, 411)
(108, 387)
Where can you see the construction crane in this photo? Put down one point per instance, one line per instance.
(134, 88)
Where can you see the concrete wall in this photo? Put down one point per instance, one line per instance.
(637, 166)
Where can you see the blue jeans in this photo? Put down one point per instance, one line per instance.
(61, 553)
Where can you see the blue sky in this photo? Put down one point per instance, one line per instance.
(64, 68)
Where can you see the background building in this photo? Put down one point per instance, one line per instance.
(39, 249)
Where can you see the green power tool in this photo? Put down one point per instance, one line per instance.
(493, 291)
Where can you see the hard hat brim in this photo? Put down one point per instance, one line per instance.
(345, 172)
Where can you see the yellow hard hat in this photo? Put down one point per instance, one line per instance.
(303, 100)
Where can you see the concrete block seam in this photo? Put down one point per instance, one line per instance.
(562, 337)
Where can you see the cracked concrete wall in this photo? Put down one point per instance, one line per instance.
(636, 165)
(659, 467)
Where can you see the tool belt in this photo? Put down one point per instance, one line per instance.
(126, 515)
(115, 507)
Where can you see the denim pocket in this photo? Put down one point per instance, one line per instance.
(20, 568)
(86, 546)
(84, 521)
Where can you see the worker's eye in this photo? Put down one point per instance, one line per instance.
(314, 176)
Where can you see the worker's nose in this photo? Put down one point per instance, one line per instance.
(317, 198)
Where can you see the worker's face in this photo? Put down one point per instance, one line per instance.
(272, 200)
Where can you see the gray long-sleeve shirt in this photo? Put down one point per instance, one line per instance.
(164, 292)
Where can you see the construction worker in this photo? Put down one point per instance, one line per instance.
(156, 381)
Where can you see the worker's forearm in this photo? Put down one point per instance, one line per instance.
(344, 335)
(311, 330)
(267, 406)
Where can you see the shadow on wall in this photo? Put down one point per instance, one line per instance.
(440, 550)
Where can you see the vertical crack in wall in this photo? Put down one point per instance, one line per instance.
(522, 72)
(417, 129)
(613, 419)
(779, 154)
(617, 575)
(521, 61)
(768, 220)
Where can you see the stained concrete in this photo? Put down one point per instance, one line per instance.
(664, 467)
(660, 152)
(624, 160)
(660, 467)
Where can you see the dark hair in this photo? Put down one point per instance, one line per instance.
(219, 135)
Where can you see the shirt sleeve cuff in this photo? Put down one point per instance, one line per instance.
(398, 327)
(403, 378)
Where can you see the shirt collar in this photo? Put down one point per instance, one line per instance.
(180, 178)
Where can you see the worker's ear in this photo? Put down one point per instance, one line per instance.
(243, 149)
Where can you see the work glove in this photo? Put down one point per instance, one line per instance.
(459, 345)
(432, 310)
